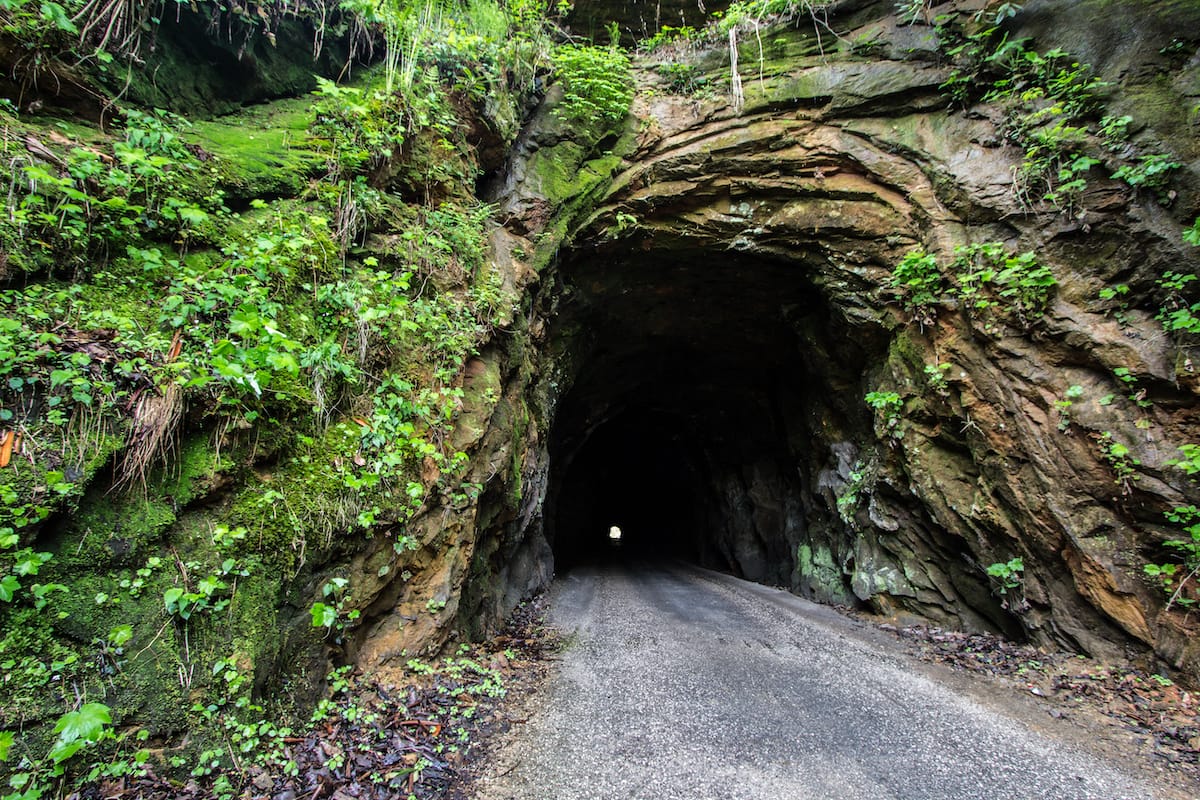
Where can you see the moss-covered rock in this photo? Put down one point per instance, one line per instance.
(263, 151)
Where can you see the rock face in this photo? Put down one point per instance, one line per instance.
(719, 303)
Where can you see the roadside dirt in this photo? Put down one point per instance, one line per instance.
(382, 739)
(1121, 703)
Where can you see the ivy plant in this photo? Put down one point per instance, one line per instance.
(887, 406)
(1177, 578)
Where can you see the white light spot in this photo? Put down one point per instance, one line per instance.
(614, 533)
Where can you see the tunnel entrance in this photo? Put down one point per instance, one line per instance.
(706, 333)
(702, 393)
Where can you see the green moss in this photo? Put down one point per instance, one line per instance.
(554, 171)
(264, 151)
(55, 655)
(480, 395)
(563, 172)
(198, 69)
(292, 511)
(907, 358)
(120, 529)
(519, 417)
(120, 298)
(194, 470)
(110, 563)
(144, 673)
(113, 531)
(573, 187)
(35, 661)
(166, 668)
(251, 627)
(1157, 104)
(818, 572)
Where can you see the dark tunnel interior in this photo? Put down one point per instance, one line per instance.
(697, 389)
(711, 403)
(639, 474)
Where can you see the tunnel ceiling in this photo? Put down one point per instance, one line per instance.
(664, 328)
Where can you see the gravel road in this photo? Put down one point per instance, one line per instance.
(683, 683)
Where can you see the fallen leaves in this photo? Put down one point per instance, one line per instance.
(7, 443)
(378, 742)
(1149, 705)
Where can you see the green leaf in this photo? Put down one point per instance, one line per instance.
(191, 215)
(323, 616)
(57, 16)
(77, 727)
(283, 362)
(61, 750)
(244, 321)
(6, 741)
(30, 563)
(1192, 235)
(171, 599)
(120, 635)
(8, 587)
(210, 585)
